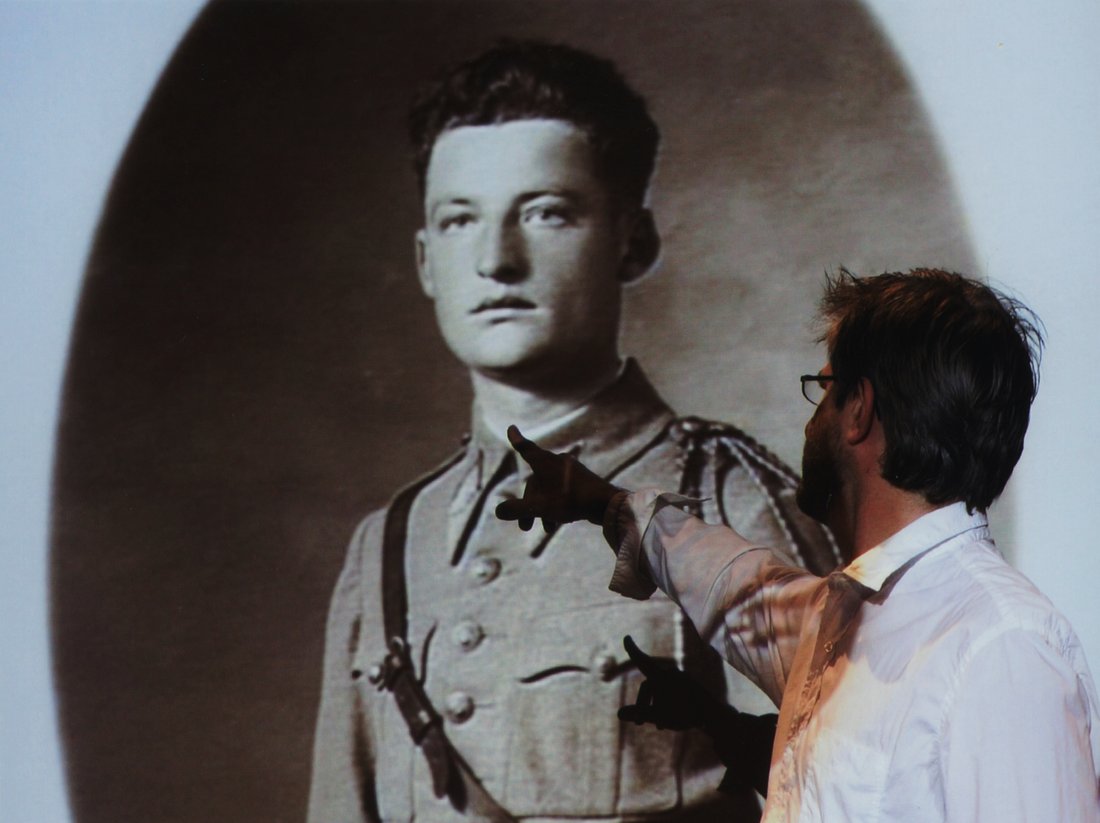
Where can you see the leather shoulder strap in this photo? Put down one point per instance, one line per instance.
(451, 776)
(395, 605)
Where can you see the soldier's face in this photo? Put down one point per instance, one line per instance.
(521, 249)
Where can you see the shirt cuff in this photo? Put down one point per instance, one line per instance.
(624, 524)
(623, 532)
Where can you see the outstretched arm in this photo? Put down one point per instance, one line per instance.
(740, 598)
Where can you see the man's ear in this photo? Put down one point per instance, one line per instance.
(859, 412)
(643, 244)
(423, 269)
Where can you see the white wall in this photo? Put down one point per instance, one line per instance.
(73, 78)
(1014, 90)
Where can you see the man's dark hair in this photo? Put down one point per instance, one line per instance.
(955, 367)
(528, 80)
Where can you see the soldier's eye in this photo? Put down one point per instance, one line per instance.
(548, 214)
(454, 222)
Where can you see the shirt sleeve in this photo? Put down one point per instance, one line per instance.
(744, 602)
(1016, 739)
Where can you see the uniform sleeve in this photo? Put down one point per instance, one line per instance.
(341, 789)
(741, 599)
(1016, 739)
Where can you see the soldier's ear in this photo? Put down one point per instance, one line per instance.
(643, 244)
(423, 266)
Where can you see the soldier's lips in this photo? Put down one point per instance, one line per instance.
(503, 305)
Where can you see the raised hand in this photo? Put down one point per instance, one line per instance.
(561, 489)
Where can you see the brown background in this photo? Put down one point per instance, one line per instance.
(253, 366)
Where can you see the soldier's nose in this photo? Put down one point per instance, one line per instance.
(501, 255)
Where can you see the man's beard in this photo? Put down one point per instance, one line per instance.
(820, 476)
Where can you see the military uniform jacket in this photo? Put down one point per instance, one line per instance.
(517, 642)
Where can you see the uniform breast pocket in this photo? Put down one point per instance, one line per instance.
(567, 753)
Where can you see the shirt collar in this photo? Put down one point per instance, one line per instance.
(604, 433)
(873, 567)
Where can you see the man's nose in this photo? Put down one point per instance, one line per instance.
(501, 255)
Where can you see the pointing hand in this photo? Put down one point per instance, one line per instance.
(561, 489)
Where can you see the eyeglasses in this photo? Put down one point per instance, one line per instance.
(814, 386)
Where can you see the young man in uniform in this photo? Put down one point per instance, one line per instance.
(473, 672)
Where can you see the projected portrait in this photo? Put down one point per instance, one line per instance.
(348, 245)
(496, 660)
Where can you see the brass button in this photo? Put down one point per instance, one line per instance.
(486, 569)
(605, 666)
(829, 646)
(459, 707)
(467, 635)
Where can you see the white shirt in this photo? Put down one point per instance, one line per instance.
(956, 692)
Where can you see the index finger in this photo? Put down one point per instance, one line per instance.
(531, 452)
(520, 443)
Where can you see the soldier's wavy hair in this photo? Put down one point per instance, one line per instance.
(526, 80)
(955, 367)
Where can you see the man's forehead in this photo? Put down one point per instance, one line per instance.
(516, 153)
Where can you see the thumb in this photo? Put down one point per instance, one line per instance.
(512, 509)
(517, 510)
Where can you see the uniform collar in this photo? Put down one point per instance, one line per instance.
(611, 428)
(903, 548)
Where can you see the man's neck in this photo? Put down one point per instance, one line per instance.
(867, 508)
(880, 512)
(530, 406)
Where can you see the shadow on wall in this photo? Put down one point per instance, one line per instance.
(253, 367)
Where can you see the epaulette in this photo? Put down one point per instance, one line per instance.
(725, 447)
